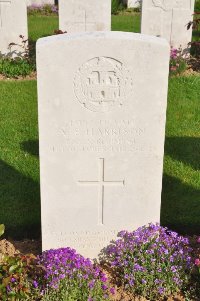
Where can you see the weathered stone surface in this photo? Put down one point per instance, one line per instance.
(102, 104)
(168, 19)
(80, 16)
(13, 23)
(39, 2)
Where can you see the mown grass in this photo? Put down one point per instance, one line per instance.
(129, 22)
(19, 161)
(181, 181)
(19, 166)
(41, 26)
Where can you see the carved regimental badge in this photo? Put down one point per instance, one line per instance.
(101, 84)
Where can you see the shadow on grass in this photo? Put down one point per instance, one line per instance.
(19, 203)
(184, 149)
(32, 50)
(31, 147)
(180, 208)
(181, 202)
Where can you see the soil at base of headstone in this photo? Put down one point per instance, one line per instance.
(25, 247)
(122, 296)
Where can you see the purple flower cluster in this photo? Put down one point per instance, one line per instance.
(174, 53)
(178, 61)
(197, 260)
(151, 261)
(66, 268)
(45, 9)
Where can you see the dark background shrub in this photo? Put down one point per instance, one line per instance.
(117, 5)
(197, 6)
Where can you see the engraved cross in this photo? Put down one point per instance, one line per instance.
(101, 182)
(1, 6)
(86, 21)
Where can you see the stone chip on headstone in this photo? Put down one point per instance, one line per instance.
(102, 104)
(13, 23)
(80, 16)
(168, 19)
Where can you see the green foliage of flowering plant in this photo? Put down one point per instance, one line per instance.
(151, 261)
(71, 291)
(20, 64)
(2, 229)
(17, 275)
(14, 68)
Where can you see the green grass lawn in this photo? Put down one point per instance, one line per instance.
(19, 162)
(126, 23)
(41, 26)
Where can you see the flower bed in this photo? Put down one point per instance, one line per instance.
(151, 262)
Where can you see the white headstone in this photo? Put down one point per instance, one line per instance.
(80, 16)
(13, 23)
(133, 3)
(168, 19)
(102, 105)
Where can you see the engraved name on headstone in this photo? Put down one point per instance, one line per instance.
(168, 19)
(102, 106)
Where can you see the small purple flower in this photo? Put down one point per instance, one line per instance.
(112, 290)
(8, 288)
(13, 280)
(35, 284)
(104, 287)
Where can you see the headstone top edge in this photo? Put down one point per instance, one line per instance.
(118, 35)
